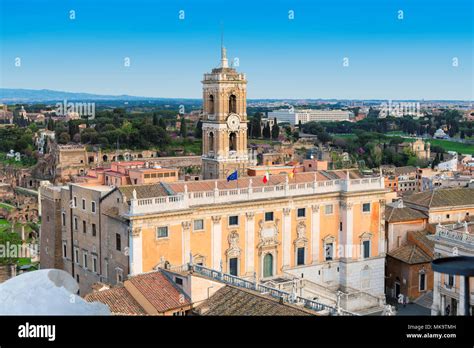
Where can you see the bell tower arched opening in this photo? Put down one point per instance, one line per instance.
(232, 104)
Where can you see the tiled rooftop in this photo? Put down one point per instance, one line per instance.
(410, 254)
(230, 300)
(442, 198)
(119, 301)
(159, 291)
(395, 214)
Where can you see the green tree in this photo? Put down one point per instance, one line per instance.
(64, 138)
(183, 130)
(275, 130)
(266, 131)
(256, 130)
(324, 137)
(198, 131)
(162, 123)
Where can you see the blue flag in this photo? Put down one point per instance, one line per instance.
(232, 176)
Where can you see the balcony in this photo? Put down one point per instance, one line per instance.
(455, 234)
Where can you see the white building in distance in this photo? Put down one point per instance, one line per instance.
(293, 116)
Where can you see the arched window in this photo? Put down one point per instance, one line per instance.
(211, 104)
(268, 265)
(232, 142)
(211, 141)
(232, 104)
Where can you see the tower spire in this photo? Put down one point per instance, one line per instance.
(224, 61)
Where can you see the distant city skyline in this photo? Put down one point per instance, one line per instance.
(412, 58)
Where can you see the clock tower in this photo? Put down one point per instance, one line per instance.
(224, 127)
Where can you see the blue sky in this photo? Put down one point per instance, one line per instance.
(300, 58)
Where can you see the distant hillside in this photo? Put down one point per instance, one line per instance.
(13, 95)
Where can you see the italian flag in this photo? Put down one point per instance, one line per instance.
(266, 177)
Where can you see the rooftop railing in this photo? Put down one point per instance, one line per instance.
(455, 233)
(263, 289)
(248, 193)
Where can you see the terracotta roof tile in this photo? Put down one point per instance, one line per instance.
(257, 181)
(143, 191)
(410, 254)
(230, 300)
(404, 170)
(119, 301)
(395, 214)
(159, 291)
(443, 197)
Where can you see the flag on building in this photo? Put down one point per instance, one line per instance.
(292, 174)
(266, 177)
(233, 176)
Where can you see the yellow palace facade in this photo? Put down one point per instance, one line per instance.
(323, 226)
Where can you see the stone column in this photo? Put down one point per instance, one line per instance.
(435, 307)
(186, 241)
(286, 238)
(250, 244)
(216, 242)
(442, 299)
(135, 251)
(347, 229)
(315, 220)
(462, 289)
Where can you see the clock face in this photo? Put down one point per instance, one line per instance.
(233, 122)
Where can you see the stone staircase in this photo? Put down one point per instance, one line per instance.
(425, 300)
(352, 300)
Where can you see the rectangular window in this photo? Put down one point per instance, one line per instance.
(328, 209)
(328, 251)
(340, 226)
(75, 201)
(75, 223)
(94, 264)
(162, 232)
(94, 230)
(93, 207)
(422, 281)
(118, 242)
(198, 225)
(178, 281)
(450, 281)
(233, 220)
(301, 212)
(233, 266)
(84, 227)
(84, 259)
(83, 204)
(63, 219)
(366, 247)
(269, 216)
(64, 250)
(300, 257)
(76, 255)
(366, 208)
